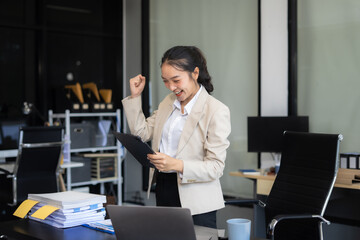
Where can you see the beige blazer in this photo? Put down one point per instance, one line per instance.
(202, 146)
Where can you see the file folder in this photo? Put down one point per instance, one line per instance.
(136, 147)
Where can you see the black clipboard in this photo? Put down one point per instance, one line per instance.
(136, 147)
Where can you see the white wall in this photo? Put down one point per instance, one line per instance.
(328, 68)
(274, 58)
(274, 63)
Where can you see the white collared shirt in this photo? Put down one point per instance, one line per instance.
(174, 126)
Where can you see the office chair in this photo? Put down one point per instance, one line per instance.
(36, 166)
(296, 204)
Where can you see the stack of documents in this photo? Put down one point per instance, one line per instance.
(250, 171)
(64, 209)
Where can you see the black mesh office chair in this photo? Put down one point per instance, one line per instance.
(301, 190)
(36, 166)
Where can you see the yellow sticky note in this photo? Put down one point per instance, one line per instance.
(44, 211)
(24, 208)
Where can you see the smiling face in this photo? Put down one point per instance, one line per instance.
(182, 83)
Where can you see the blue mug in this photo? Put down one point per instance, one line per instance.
(239, 229)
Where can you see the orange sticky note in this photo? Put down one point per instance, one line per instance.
(24, 208)
(44, 211)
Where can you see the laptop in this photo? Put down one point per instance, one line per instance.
(151, 223)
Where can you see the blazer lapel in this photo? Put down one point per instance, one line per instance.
(193, 119)
(163, 116)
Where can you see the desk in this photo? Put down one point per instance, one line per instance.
(263, 183)
(7, 166)
(8, 153)
(10, 166)
(26, 229)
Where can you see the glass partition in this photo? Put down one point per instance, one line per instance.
(328, 68)
(227, 32)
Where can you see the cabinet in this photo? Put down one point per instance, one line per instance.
(69, 152)
(77, 39)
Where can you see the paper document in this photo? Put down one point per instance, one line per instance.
(250, 171)
(103, 226)
(69, 199)
(66, 224)
(68, 216)
(63, 209)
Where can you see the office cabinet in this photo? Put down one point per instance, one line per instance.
(91, 148)
(45, 45)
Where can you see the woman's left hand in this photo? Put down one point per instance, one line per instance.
(165, 163)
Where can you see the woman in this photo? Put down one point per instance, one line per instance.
(189, 132)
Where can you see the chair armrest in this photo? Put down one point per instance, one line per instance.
(244, 202)
(43, 144)
(278, 218)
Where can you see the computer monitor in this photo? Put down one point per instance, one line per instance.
(265, 133)
(9, 133)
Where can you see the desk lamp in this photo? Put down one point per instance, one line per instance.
(29, 108)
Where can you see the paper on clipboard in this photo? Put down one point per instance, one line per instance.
(136, 147)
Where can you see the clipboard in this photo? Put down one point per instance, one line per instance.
(136, 147)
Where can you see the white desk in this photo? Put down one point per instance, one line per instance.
(7, 154)
(205, 233)
(10, 166)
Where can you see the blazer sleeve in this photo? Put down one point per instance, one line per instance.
(138, 124)
(210, 165)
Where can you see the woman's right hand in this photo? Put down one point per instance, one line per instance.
(137, 85)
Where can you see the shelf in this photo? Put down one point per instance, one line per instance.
(71, 165)
(94, 149)
(117, 149)
(90, 114)
(94, 182)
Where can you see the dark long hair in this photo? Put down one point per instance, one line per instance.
(187, 58)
